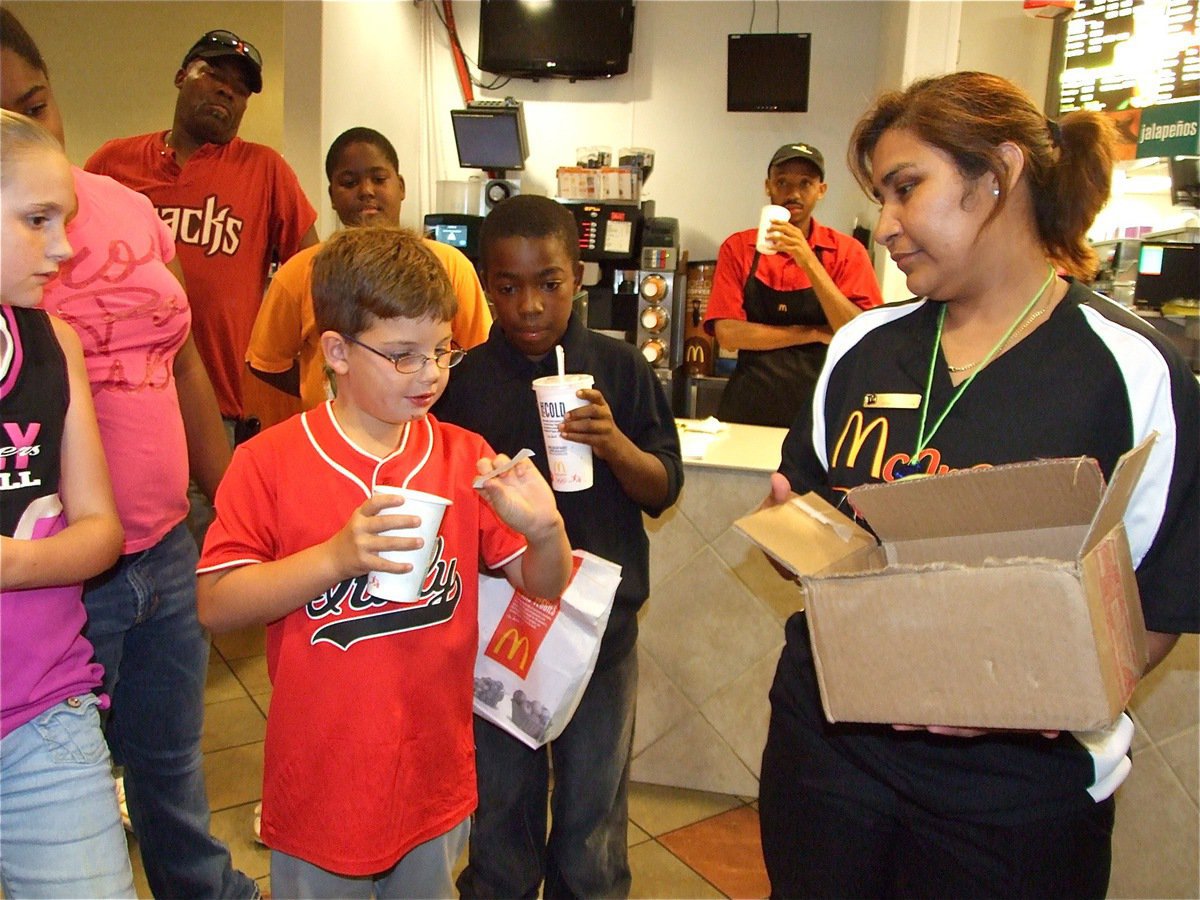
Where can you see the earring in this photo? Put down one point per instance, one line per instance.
(995, 192)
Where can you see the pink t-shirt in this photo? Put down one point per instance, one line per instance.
(132, 316)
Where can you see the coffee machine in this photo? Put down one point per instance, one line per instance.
(610, 237)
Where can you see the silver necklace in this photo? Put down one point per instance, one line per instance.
(1029, 321)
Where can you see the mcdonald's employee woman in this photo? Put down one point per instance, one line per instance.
(999, 359)
(779, 310)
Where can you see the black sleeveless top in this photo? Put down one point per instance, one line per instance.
(34, 395)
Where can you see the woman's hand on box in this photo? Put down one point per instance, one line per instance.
(781, 492)
(949, 731)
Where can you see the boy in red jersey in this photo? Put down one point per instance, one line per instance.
(369, 766)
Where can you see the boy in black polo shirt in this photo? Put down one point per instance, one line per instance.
(531, 271)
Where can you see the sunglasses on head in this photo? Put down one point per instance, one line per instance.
(228, 39)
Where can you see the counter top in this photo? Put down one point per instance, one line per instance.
(752, 448)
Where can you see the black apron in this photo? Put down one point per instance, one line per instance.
(769, 387)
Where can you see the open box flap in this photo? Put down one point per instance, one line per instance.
(805, 535)
(1116, 499)
(1027, 496)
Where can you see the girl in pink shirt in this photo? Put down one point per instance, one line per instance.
(62, 832)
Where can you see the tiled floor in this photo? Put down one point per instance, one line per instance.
(682, 843)
(690, 844)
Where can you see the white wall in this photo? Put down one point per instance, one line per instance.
(370, 74)
(112, 64)
(710, 164)
(386, 64)
(996, 36)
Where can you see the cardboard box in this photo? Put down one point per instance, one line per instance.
(994, 598)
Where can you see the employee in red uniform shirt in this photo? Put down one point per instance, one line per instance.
(780, 310)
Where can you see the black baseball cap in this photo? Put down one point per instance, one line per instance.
(218, 44)
(798, 150)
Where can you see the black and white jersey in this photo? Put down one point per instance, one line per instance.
(1093, 380)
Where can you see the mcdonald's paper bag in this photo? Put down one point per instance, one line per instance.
(537, 656)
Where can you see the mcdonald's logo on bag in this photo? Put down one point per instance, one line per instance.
(517, 643)
(519, 633)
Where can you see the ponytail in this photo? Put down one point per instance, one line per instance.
(1074, 189)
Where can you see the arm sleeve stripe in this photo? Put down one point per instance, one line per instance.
(1148, 385)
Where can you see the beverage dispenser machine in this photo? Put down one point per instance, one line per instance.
(637, 294)
(610, 237)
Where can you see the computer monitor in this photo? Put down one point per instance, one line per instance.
(1167, 271)
(456, 230)
(490, 138)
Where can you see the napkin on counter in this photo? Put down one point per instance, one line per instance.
(695, 436)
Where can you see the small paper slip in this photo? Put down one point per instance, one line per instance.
(711, 425)
(696, 437)
(481, 480)
(693, 445)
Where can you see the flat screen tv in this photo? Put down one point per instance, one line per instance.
(768, 72)
(555, 38)
(490, 138)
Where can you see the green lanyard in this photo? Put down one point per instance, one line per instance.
(923, 439)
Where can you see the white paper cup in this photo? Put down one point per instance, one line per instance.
(406, 588)
(770, 213)
(570, 461)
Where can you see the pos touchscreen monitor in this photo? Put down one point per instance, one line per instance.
(490, 137)
(1167, 271)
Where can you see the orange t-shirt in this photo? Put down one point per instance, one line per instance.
(285, 330)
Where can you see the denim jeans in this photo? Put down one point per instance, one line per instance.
(62, 834)
(425, 871)
(586, 854)
(142, 623)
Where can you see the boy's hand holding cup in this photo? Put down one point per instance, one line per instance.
(422, 513)
(570, 461)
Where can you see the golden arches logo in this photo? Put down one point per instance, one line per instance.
(519, 644)
(855, 423)
(694, 353)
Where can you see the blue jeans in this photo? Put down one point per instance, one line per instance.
(587, 853)
(62, 834)
(142, 623)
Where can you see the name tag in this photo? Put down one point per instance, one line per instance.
(891, 401)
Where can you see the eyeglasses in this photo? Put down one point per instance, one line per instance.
(231, 40)
(411, 363)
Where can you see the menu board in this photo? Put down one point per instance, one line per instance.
(1122, 53)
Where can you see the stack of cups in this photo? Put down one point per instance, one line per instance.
(570, 461)
(406, 588)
